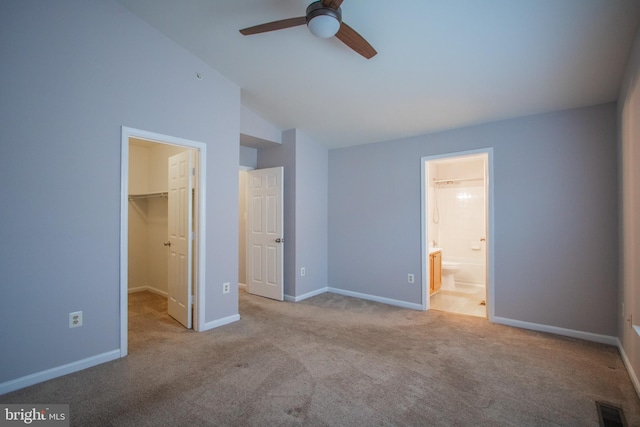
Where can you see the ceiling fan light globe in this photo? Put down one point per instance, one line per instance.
(323, 26)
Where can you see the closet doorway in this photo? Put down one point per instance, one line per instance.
(162, 219)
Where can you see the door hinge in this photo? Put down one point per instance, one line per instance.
(193, 171)
(193, 235)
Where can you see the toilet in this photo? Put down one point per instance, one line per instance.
(449, 269)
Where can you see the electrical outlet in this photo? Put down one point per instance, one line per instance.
(303, 271)
(75, 319)
(410, 278)
(226, 287)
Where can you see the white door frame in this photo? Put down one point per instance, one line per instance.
(243, 193)
(490, 235)
(199, 221)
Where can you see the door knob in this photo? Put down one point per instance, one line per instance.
(167, 243)
(279, 240)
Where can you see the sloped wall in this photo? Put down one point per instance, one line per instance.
(73, 74)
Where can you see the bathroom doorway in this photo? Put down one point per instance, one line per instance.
(456, 244)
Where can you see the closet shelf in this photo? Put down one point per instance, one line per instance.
(162, 194)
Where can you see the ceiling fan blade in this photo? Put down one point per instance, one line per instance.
(355, 41)
(333, 4)
(275, 25)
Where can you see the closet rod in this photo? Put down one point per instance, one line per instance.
(148, 195)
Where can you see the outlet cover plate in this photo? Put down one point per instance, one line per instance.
(75, 319)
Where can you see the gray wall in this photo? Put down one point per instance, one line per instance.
(254, 126)
(311, 214)
(248, 157)
(555, 216)
(305, 209)
(73, 73)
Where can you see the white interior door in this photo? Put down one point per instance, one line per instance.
(180, 236)
(264, 233)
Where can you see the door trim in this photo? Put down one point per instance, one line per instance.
(199, 220)
(490, 226)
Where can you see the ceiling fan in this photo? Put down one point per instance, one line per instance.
(324, 19)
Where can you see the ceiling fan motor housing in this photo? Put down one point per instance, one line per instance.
(326, 21)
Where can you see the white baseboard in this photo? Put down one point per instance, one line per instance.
(588, 336)
(58, 371)
(627, 364)
(368, 297)
(150, 289)
(375, 298)
(220, 322)
(242, 286)
(291, 298)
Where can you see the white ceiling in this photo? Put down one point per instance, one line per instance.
(441, 64)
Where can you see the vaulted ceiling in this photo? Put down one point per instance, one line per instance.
(441, 64)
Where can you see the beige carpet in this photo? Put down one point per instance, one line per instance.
(339, 361)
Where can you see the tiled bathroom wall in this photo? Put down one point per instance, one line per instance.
(460, 205)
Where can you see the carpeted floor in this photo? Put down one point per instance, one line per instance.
(338, 361)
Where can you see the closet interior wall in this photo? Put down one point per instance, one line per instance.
(148, 180)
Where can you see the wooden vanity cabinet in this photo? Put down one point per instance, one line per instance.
(435, 271)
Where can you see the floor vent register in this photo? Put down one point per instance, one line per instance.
(610, 416)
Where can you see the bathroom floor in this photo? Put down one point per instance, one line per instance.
(465, 299)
